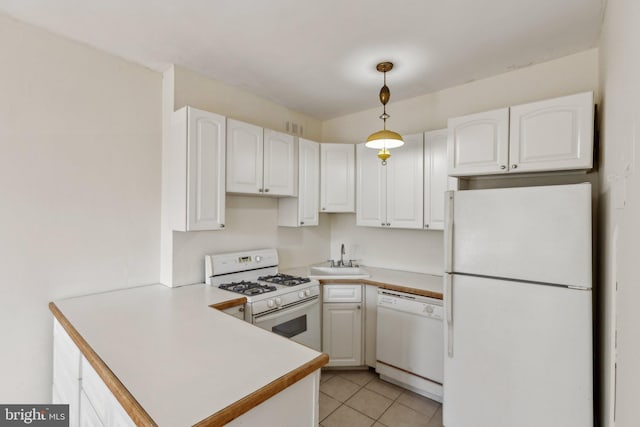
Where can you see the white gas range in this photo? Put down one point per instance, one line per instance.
(286, 305)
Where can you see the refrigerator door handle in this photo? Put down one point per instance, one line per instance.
(448, 232)
(448, 296)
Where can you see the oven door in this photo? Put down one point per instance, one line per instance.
(300, 322)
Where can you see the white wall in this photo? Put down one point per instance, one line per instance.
(620, 208)
(422, 251)
(79, 185)
(251, 222)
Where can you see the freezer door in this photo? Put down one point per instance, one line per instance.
(517, 354)
(540, 234)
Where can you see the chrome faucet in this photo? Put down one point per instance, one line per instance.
(342, 252)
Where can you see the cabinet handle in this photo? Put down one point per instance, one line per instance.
(266, 190)
(388, 224)
(426, 226)
(324, 209)
(260, 190)
(221, 225)
(382, 224)
(358, 307)
(514, 166)
(503, 167)
(301, 222)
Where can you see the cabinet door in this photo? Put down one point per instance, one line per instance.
(342, 333)
(205, 170)
(371, 183)
(308, 181)
(478, 143)
(337, 178)
(405, 184)
(555, 134)
(66, 372)
(244, 157)
(280, 164)
(435, 178)
(88, 415)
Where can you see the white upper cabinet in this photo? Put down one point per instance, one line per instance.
(197, 170)
(337, 178)
(279, 164)
(550, 135)
(259, 161)
(245, 144)
(435, 178)
(302, 211)
(371, 185)
(556, 134)
(392, 195)
(479, 143)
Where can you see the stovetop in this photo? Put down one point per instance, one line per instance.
(284, 279)
(254, 274)
(247, 288)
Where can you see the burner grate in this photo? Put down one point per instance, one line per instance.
(247, 288)
(284, 279)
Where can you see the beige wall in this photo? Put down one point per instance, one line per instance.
(620, 209)
(251, 222)
(79, 185)
(422, 251)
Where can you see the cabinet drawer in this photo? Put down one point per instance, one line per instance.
(342, 293)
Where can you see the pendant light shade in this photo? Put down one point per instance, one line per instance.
(384, 139)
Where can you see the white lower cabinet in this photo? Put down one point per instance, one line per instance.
(106, 406)
(88, 416)
(76, 383)
(342, 337)
(66, 373)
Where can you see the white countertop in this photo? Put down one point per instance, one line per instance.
(413, 282)
(182, 360)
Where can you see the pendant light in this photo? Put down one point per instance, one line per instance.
(384, 139)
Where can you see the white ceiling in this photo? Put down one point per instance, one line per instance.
(318, 56)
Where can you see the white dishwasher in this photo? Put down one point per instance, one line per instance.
(410, 342)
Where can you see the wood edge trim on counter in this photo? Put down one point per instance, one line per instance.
(229, 303)
(252, 400)
(391, 287)
(126, 399)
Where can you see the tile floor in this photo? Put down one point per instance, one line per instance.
(360, 398)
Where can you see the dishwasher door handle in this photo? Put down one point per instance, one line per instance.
(448, 296)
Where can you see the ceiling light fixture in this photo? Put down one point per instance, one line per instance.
(384, 139)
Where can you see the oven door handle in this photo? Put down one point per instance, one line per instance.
(289, 310)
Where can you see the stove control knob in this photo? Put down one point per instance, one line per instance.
(301, 294)
(428, 309)
(307, 292)
(278, 301)
(270, 303)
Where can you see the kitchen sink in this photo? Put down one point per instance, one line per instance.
(325, 272)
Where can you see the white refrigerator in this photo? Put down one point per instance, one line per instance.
(518, 308)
